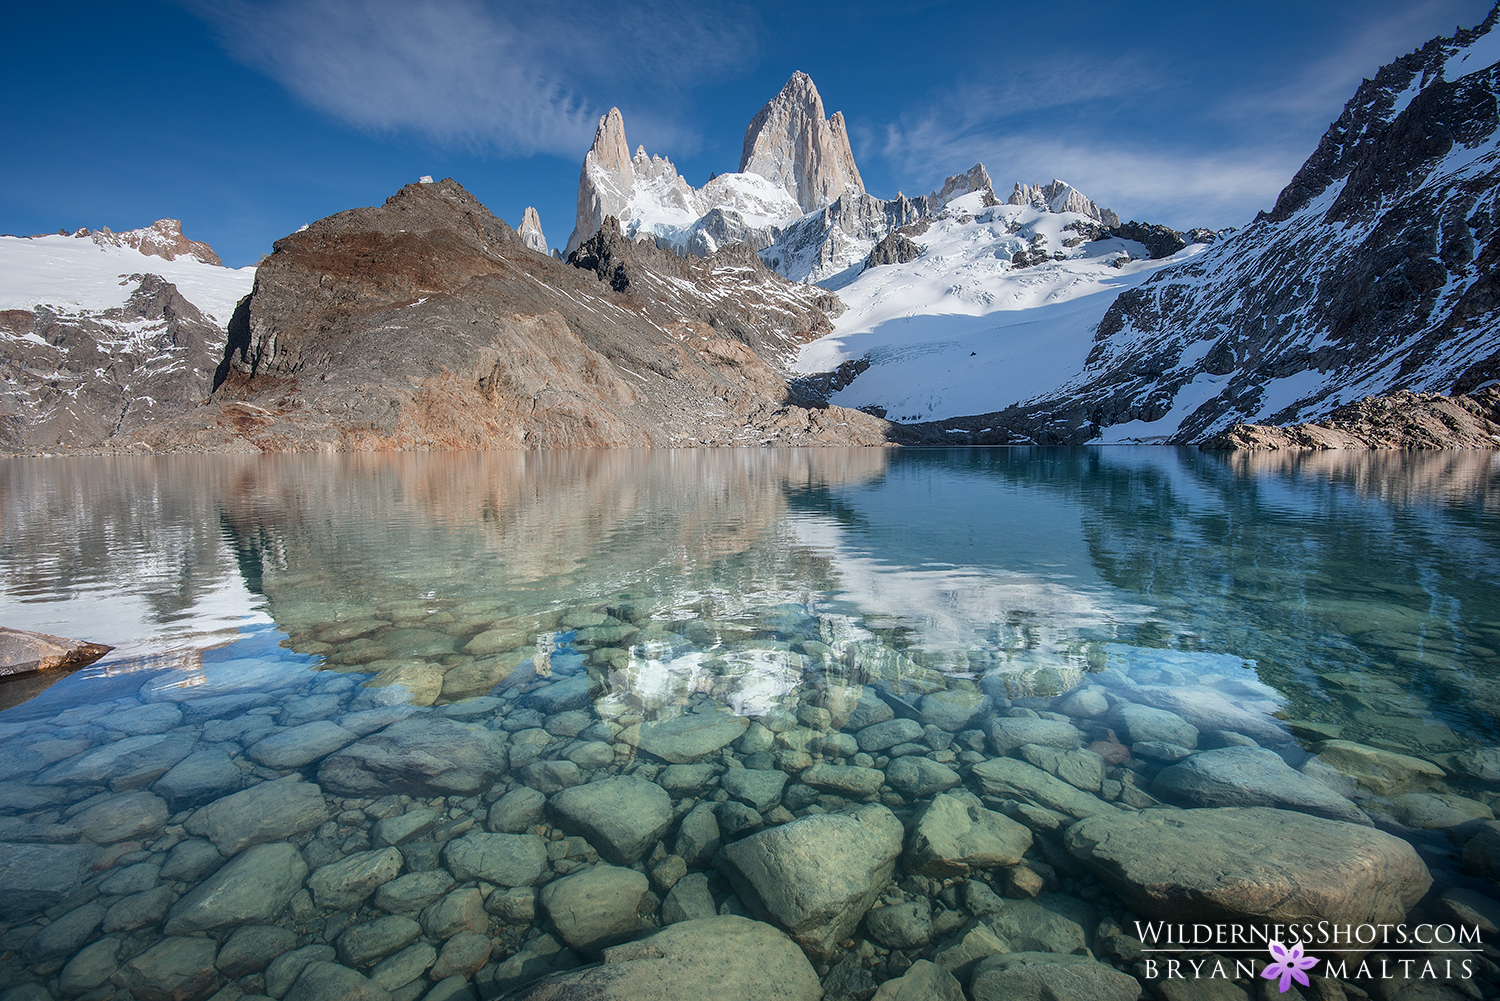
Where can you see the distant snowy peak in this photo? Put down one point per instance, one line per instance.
(792, 145)
(1060, 196)
(163, 239)
(794, 161)
(531, 230)
(652, 201)
(976, 180)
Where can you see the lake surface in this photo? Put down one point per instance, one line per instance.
(276, 618)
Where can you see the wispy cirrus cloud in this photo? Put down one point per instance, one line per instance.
(1212, 162)
(507, 78)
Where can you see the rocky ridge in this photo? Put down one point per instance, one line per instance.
(1059, 196)
(77, 379)
(1374, 274)
(163, 239)
(428, 323)
(797, 198)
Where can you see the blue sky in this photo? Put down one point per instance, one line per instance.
(248, 118)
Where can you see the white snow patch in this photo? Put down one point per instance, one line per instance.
(73, 273)
(960, 330)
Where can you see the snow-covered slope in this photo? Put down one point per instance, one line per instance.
(964, 328)
(75, 273)
(1376, 272)
(97, 337)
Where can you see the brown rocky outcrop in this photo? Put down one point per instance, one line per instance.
(790, 143)
(427, 323)
(163, 238)
(1401, 420)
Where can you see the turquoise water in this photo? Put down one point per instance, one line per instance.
(1351, 596)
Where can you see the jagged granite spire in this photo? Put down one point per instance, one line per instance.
(791, 144)
(606, 180)
(531, 230)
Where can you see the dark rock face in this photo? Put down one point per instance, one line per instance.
(1158, 240)
(80, 378)
(894, 249)
(1376, 272)
(423, 324)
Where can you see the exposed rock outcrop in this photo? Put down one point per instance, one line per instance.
(790, 143)
(427, 323)
(895, 248)
(163, 239)
(1159, 241)
(1401, 420)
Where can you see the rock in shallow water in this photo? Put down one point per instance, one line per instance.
(714, 959)
(1046, 976)
(174, 969)
(819, 875)
(347, 882)
(417, 757)
(596, 907)
(502, 859)
(956, 834)
(35, 877)
(621, 817)
(251, 888)
(688, 737)
(271, 811)
(1251, 865)
(925, 981)
(1250, 776)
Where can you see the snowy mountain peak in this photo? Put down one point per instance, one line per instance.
(977, 179)
(791, 144)
(531, 230)
(1060, 196)
(606, 179)
(610, 150)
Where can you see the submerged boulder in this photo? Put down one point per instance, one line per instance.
(417, 757)
(817, 876)
(1251, 865)
(727, 958)
(1250, 776)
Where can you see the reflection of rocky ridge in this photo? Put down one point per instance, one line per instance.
(428, 323)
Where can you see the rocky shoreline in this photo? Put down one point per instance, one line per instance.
(1401, 420)
(884, 830)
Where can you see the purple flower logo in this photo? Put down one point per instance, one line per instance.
(1289, 965)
